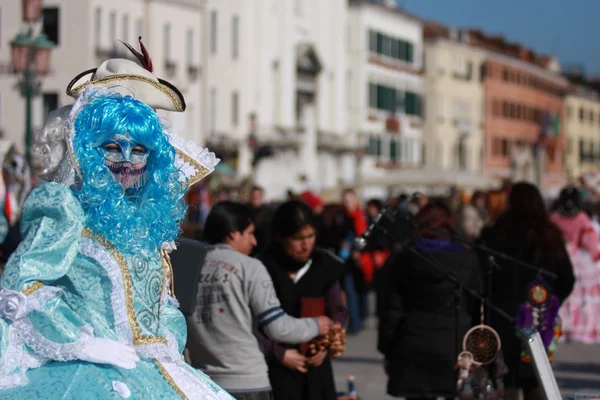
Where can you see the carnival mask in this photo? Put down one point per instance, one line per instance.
(126, 160)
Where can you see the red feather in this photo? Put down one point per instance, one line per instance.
(144, 57)
(148, 65)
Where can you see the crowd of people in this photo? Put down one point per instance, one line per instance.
(103, 296)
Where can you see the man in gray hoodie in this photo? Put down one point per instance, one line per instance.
(234, 291)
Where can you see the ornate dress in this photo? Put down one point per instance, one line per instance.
(67, 284)
(579, 313)
(67, 289)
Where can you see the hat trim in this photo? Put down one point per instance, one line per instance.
(177, 103)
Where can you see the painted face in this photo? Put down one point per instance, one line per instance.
(126, 160)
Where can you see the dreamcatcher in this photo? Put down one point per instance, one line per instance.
(481, 348)
(540, 311)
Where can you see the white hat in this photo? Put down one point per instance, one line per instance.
(126, 77)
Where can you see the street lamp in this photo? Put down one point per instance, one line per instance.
(30, 59)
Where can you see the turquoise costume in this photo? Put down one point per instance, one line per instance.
(76, 285)
(67, 288)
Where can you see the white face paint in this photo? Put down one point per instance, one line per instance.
(126, 160)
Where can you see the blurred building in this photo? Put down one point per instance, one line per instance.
(386, 93)
(455, 107)
(524, 96)
(582, 110)
(277, 72)
(86, 33)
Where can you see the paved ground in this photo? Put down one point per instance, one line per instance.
(576, 366)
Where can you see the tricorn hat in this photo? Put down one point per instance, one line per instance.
(127, 77)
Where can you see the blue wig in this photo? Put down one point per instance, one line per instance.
(133, 220)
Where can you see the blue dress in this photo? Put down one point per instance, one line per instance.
(65, 284)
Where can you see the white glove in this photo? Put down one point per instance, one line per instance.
(107, 351)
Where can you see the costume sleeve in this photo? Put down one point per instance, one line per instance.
(273, 321)
(35, 311)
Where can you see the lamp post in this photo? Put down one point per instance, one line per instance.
(31, 60)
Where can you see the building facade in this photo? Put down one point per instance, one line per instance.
(171, 31)
(276, 71)
(582, 110)
(386, 92)
(455, 112)
(524, 97)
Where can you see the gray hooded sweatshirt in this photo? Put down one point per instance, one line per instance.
(234, 291)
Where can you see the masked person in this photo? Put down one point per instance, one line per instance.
(86, 305)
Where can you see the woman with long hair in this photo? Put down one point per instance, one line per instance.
(525, 232)
(579, 311)
(306, 279)
(418, 324)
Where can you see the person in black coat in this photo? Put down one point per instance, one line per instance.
(418, 325)
(301, 272)
(525, 232)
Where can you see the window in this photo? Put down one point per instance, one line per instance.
(482, 72)
(373, 41)
(505, 147)
(397, 49)
(505, 74)
(50, 103)
(235, 37)
(591, 116)
(125, 29)
(189, 44)
(213, 32)
(51, 24)
(213, 110)
(167, 42)
(582, 155)
(139, 27)
(235, 105)
(393, 150)
(581, 114)
(374, 146)
(412, 103)
(98, 27)
(112, 29)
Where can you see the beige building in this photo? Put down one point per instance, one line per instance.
(455, 108)
(86, 32)
(583, 132)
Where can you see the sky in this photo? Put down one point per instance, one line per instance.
(569, 30)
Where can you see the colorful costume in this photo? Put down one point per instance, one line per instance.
(92, 275)
(579, 313)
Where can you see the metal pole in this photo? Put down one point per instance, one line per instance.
(28, 91)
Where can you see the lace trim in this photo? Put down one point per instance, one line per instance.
(199, 154)
(16, 361)
(193, 385)
(162, 352)
(194, 161)
(40, 297)
(46, 348)
(104, 257)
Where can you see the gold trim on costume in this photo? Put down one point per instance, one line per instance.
(169, 380)
(32, 288)
(166, 261)
(120, 77)
(138, 337)
(202, 170)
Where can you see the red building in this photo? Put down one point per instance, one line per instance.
(524, 95)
